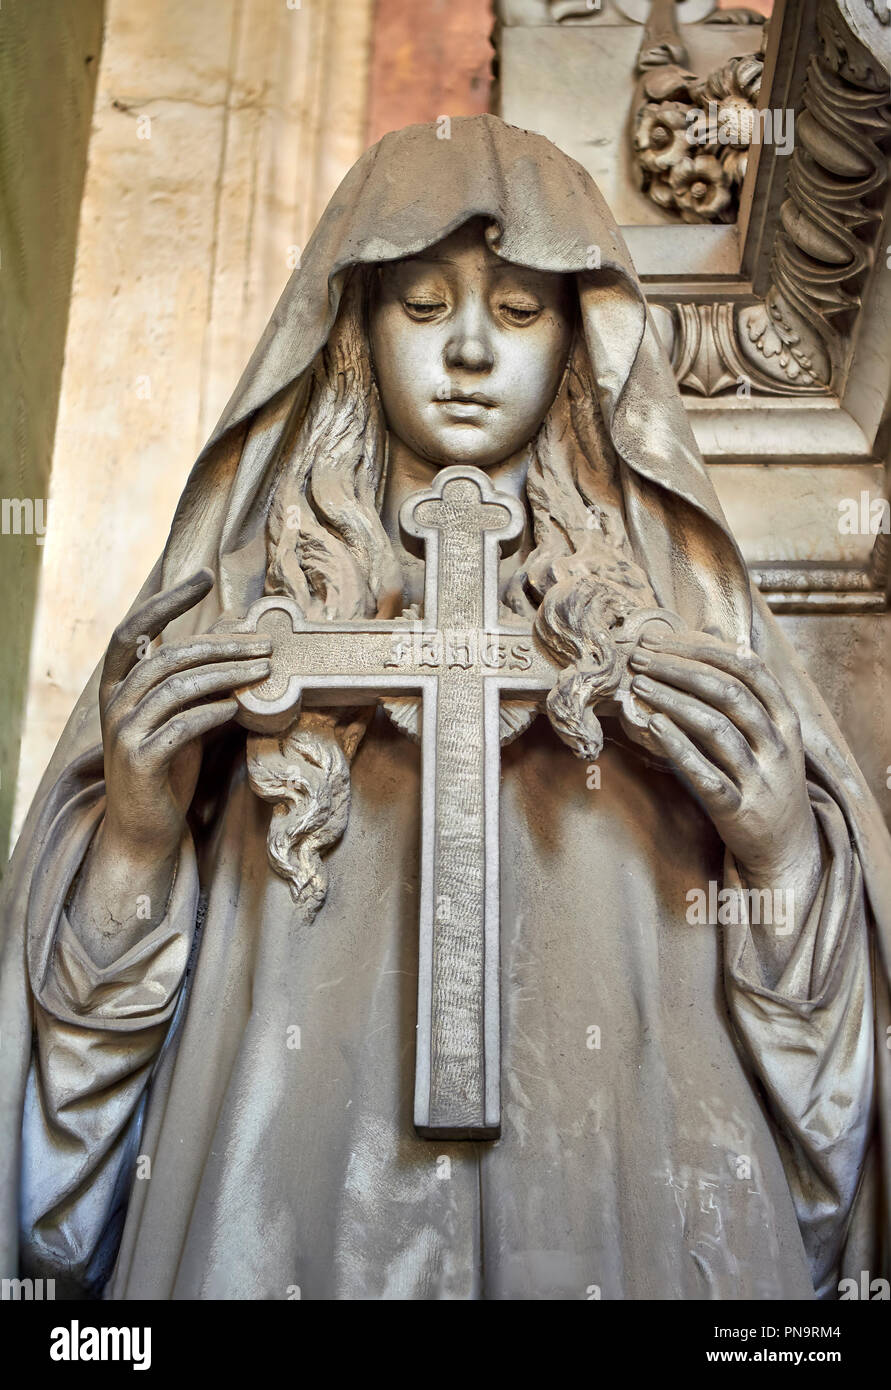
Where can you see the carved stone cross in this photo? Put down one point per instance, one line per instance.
(460, 661)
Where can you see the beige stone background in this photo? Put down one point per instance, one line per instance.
(220, 129)
(49, 58)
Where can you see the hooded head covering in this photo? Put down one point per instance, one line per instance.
(406, 193)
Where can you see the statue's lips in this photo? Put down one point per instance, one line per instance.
(466, 407)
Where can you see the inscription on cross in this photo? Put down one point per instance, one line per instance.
(460, 660)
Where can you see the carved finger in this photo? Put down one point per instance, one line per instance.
(747, 667)
(181, 690)
(184, 654)
(188, 725)
(716, 792)
(713, 731)
(149, 619)
(713, 687)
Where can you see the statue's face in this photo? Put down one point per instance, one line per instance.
(468, 349)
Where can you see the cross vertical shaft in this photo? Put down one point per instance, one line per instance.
(458, 1027)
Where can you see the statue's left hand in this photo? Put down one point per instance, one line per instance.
(723, 721)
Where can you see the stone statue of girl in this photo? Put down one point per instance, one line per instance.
(215, 998)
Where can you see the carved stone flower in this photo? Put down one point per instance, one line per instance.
(700, 187)
(660, 136)
(736, 121)
(729, 96)
(735, 163)
(661, 192)
(692, 136)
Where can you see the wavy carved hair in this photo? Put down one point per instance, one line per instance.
(327, 549)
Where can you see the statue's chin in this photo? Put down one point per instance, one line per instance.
(475, 452)
(467, 444)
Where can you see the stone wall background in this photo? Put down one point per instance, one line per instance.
(49, 58)
(849, 660)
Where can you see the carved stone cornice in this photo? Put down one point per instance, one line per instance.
(797, 338)
(800, 335)
(710, 356)
(761, 318)
(775, 298)
(819, 586)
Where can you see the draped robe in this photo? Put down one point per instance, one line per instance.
(225, 1111)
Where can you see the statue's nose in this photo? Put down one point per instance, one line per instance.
(469, 346)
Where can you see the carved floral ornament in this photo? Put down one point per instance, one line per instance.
(831, 219)
(798, 338)
(691, 134)
(692, 137)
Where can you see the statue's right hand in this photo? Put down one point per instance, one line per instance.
(155, 705)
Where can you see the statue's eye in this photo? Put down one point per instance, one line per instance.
(423, 309)
(520, 314)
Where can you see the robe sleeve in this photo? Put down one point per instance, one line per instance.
(810, 1041)
(98, 1032)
